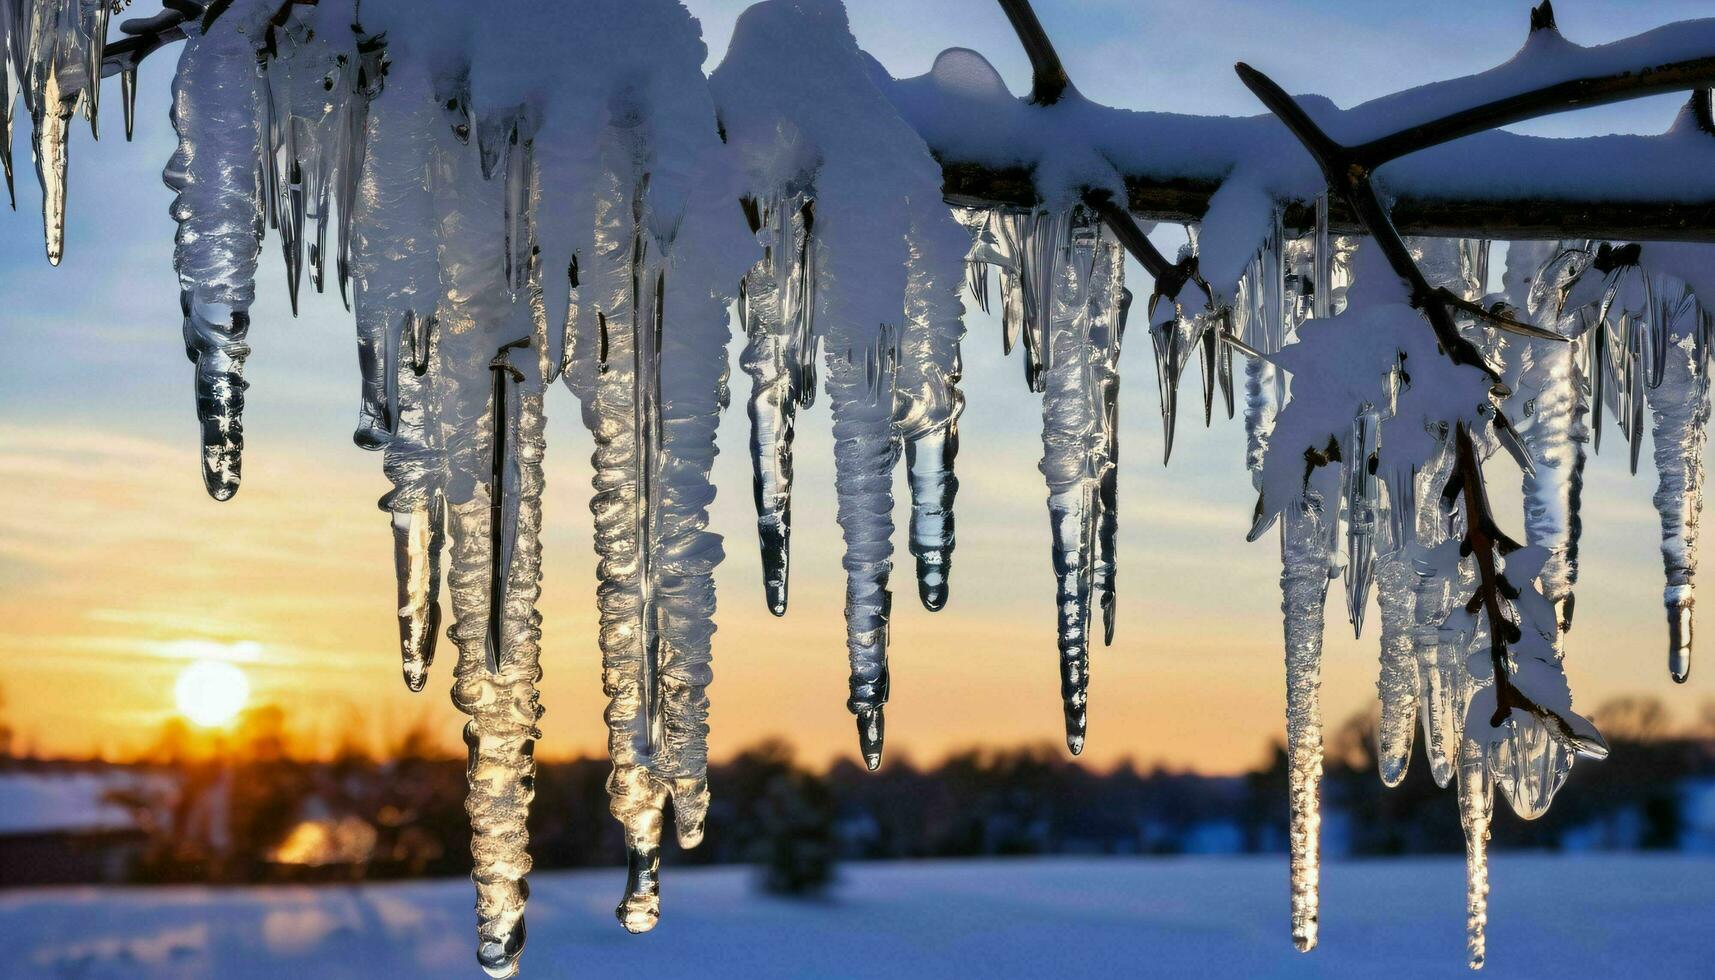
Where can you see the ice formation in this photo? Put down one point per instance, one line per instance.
(864, 261)
(561, 193)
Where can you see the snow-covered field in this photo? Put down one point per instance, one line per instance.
(1560, 918)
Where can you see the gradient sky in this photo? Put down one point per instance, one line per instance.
(116, 569)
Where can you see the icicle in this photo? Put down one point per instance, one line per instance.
(1680, 406)
(1176, 339)
(1551, 409)
(1529, 765)
(1440, 667)
(1030, 238)
(1363, 501)
(501, 697)
(94, 20)
(1322, 252)
(928, 406)
(310, 84)
(127, 98)
(416, 465)
(1305, 561)
(216, 112)
(353, 147)
(779, 299)
(52, 98)
(1261, 321)
(1078, 443)
(492, 434)
(929, 468)
(1397, 685)
(10, 87)
(637, 336)
(866, 447)
(1476, 806)
(396, 274)
(1556, 440)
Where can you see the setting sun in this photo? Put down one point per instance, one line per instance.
(211, 693)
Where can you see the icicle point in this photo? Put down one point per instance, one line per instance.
(872, 732)
(498, 955)
(1679, 625)
(641, 908)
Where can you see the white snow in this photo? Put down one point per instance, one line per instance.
(33, 803)
(1570, 919)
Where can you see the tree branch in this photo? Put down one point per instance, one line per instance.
(1049, 80)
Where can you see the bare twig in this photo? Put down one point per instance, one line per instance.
(1486, 543)
(1049, 80)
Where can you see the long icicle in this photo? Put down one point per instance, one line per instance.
(1680, 408)
(1305, 557)
(862, 366)
(778, 300)
(1476, 807)
(1082, 346)
(396, 287)
(638, 329)
(217, 114)
(501, 696)
(929, 404)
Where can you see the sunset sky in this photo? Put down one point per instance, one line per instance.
(116, 569)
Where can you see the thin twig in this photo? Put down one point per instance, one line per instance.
(1049, 80)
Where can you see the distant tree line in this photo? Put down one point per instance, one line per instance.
(255, 813)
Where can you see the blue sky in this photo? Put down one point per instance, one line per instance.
(114, 567)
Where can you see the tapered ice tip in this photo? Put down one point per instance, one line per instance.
(641, 908)
(1077, 722)
(932, 588)
(776, 565)
(1304, 937)
(1679, 622)
(416, 676)
(498, 955)
(371, 437)
(1679, 637)
(872, 731)
(220, 476)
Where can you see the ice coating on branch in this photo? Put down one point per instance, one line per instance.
(888, 257)
(778, 310)
(218, 113)
(1085, 319)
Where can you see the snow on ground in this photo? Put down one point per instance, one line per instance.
(1552, 917)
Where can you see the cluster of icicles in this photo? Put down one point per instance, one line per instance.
(472, 296)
